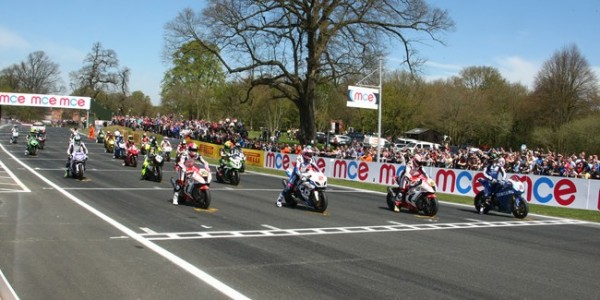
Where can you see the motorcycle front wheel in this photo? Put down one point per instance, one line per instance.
(201, 197)
(429, 206)
(134, 162)
(321, 203)
(234, 176)
(519, 210)
(157, 174)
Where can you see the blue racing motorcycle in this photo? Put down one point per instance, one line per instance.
(508, 198)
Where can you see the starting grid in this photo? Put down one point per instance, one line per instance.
(396, 227)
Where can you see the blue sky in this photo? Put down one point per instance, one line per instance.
(515, 37)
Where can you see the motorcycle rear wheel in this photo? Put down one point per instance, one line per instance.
(479, 201)
(391, 200)
(201, 197)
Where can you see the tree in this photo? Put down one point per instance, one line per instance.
(38, 75)
(101, 74)
(187, 86)
(565, 88)
(293, 46)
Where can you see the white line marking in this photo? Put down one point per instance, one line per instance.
(205, 226)
(275, 232)
(147, 230)
(9, 172)
(270, 227)
(220, 286)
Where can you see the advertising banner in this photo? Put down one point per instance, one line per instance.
(362, 97)
(541, 190)
(39, 100)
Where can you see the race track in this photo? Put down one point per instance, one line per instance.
(113, 236)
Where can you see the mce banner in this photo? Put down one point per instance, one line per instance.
(363, 97)
(39, 100)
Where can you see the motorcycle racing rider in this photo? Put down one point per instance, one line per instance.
(303, 162)
(493, 173)
(184, 164)
(76, 145)
(414, 168)
(150, 154)
(226, 152)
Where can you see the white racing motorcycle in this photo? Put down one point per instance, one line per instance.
(309, 190)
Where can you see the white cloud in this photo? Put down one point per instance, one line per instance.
(10, 40)
(517, 70)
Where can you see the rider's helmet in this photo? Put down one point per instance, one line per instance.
(32, 130)
(307, 154)
(15, 126)
(494, 157)
(117, 133)
(193, 150)
(227, 145)
(108, 132)
(417, 160)
(153, 141)
(77, 140)
(130, 138)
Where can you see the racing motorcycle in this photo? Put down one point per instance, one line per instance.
(41, 138)
(231, 171)
(131, 156)
(420, 196)
(309, 190)
(100, 137)
(14, 137)
(166, 152)
(507, 199)
(32, 146)
(120, 149)
(109, 145)
(78, 165)
(152, 168)
(195, 187)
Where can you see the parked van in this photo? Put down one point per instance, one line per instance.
(420, 145)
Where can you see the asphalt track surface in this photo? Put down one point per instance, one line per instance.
(113, 236)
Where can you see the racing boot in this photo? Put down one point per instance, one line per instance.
(175, 198)
(67, 173)
(280, 200)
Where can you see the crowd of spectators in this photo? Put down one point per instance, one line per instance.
(524, 161)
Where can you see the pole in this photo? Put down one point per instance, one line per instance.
(379, 119)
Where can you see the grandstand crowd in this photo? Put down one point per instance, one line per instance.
(522, 161)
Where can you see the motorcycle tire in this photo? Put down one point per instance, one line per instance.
(157, 174)
(429, 207)
(234, 177)
(134, 162)
(521, 210)
(219, 176)
(321, 204)
(79, 173)
(201, 197)
(390, 198)
(479, 202)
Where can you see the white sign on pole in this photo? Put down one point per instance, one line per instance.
(362, 97)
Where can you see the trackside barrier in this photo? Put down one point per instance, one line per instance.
(541, 190)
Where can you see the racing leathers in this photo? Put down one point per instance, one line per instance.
(185, 164)
(300, 166)
(493, 173)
